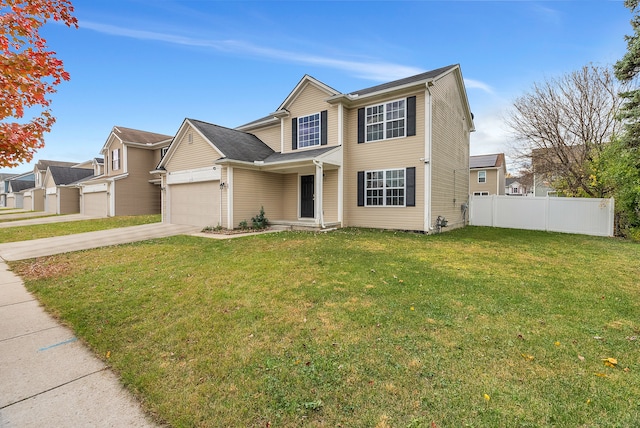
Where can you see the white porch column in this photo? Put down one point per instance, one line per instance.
(318, 197)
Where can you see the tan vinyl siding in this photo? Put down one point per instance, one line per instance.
(450, 153)
(197, 154)
(330, 196)
(256, 189)
(310, 101)
(114, 143)
(270, 136)
(69, 200)
(38, 199)
(394, 153)
(290, 192)
(134, 194)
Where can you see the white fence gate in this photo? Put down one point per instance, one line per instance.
(569, 215)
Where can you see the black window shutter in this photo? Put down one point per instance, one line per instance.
(411, 187)
(323, 128)
(361, 188)
(411, 116)
(294, 133)
(361, 125)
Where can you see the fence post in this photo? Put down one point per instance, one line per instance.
(494, 210)
(612, 214)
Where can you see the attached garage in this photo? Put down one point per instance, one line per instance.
(27, 201)
(51, 202)
(95, 204)
(196, 204)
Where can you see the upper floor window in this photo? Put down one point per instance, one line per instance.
(115, 160)
(392, 119)
(164, 150)
(482, 176)
(309, 131)
(386, 120)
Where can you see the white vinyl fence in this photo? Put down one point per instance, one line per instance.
(569, 215)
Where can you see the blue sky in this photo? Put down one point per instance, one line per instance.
(148, 64)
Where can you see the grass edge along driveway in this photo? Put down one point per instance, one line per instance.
(37, 231)
(474, 327)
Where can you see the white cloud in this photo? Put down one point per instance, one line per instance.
(371, 70)
(476, 84)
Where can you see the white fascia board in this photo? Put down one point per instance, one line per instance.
(272, 121)
(194, 175)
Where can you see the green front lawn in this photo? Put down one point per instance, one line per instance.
(37, 231)
(477, 327)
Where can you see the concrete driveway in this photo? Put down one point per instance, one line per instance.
(84, 241)
(24, 219)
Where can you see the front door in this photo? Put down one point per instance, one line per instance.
(306, 196)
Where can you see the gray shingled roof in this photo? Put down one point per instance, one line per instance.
(417, 78)
(297, 155)
(484, 161)
(42, 165)
(235, 145)
(129, 135)
(20, 185)
(64, 175)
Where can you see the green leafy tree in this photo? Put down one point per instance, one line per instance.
(622, 162)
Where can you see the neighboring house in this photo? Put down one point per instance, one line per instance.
(550, 163)
(17, 187)
(393, 156)
(34, 198)
(487, 174)
(4, 187)
(61, 188)
(514, 188)
(124, 186)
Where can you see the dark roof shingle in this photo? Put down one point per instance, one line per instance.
(235, 145)
(64, 175)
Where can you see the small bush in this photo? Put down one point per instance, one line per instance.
(243, 225)
(259, 221)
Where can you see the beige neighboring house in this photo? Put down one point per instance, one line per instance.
(487, 174)
(4, 187)
(124, 186)
(61, 188)
(16, 188)
(34, 199)
(392, 156)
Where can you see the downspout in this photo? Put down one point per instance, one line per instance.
(320, 191)
(427, 158)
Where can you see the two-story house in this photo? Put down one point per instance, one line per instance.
(487, 174)
(125, 186)
(393, 156)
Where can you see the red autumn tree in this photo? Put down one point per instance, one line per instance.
(29, 72)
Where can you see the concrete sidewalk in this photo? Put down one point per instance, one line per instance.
(83, 241)
(49, 378)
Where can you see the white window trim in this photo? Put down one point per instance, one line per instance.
(384, 187)
(485, 176)
(319, 114)
(115, 159)
(385, 121)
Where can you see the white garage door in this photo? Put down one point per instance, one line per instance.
(196, 204)
(95, 204)
(52, 203)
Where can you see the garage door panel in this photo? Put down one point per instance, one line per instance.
(196, 204)
(52, 203)
(95, 204)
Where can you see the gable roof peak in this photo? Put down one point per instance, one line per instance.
(307, 79)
